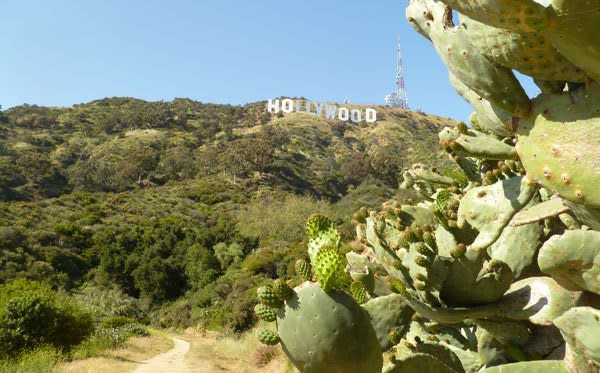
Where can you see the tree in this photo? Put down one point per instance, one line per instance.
(228, 255)
(158, 279)
(201, 266)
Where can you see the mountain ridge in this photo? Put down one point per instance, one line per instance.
(69, 147)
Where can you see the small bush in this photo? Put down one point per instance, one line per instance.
(174, 315)
(33, 315)
(134, 330)
(117, 321)
(106, 303)
(105, 338)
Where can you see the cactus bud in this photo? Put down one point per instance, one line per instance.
(303, 269)
(265, 312)
(267, 337)
(358, 292)
(267, 296)
(282, 290)
(421, 286)
(429, 239)
(422, 260)
(458, 251)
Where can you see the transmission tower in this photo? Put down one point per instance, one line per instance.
(398, 99)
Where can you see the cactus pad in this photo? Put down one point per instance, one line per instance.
(358, 292)
(559, 145)
(580, 327)
(327, 333)
(573, 259)
(317, 224)
(329, 265)
(538, 366)
(489, 209)
(390, 317)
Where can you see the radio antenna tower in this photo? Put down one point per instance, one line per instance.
(398, 99)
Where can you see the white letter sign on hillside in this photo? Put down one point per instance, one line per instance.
(330, 112)
(287, 105)
(343, 114)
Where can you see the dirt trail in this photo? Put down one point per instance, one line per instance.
(170, 361)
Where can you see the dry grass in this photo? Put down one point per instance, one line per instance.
(143, 133)
(124, 359)
(210, 353)
(264, 355)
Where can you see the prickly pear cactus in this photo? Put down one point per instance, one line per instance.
(321, 325)
(497, 267)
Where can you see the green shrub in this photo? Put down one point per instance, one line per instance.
(117, 321)
(106, 303)
(32, 315)
(228, 255)
(228, 303)
(105, 338)
(278, 219)
(176, 314)
(41, 360)
(134, 330)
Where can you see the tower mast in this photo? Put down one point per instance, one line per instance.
(399, 98)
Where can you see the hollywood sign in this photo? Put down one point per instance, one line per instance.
(329, 111)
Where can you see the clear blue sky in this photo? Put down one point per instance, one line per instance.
(64, 52)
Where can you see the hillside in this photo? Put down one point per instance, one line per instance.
(173, 212)
(109, 145)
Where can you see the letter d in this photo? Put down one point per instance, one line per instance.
(370, 115)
